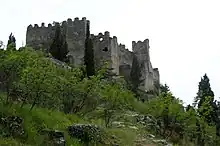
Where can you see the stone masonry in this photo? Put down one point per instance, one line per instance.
(106, 48)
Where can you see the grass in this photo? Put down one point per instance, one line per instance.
(39, 119)
(42, 118)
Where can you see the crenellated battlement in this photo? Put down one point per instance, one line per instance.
(140, 43)
(141, 47)
(69, 23)
(100, 37)
(123, 48)
(36, 26)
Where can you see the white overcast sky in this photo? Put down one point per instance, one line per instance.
(184, 34)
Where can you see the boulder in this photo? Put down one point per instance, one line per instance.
(87, 133)
(54, 137)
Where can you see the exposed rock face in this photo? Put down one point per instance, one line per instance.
(106, 48)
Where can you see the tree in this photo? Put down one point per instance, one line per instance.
(59, 47)
(164, 88)
(89, 54)
(114, 100)
(169, 113)
(1, 45)
(204, 91)
(11, 42)
(204, 95)
(135, 74)
(38, 82)
(10, 68)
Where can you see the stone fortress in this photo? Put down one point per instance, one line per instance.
(106, 48)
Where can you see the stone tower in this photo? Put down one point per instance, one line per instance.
(149, 74)
(75, 32)
(106, 49)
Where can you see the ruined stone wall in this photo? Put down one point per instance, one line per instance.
(106, 49)
(75, 32)
(156, 75)
(141, 50)
(126, 56)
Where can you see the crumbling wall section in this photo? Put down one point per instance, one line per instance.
(141, 50)
(106, 50)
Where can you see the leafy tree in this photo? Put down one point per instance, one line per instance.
(89, 54)
(10, 68)
(114, 99)
(59, 47)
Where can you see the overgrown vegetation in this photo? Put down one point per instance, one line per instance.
(89, 54)
(59, 47)
(38, 95)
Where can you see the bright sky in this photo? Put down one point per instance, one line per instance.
(184, 34)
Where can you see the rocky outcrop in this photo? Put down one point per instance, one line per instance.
(53, 137)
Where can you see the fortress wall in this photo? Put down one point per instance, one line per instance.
(156, 75)
(106, 49)
(126, 56)
(141, 50)
(39, 36)
(125, 70)
(75, 37)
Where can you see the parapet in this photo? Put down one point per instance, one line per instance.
(69, 22)
(36, 26)
(104, 36)
(140, 44)
(146, 41)
(123, 48)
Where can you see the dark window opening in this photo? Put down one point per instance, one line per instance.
(105, 49)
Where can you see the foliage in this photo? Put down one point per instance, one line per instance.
(164, 88)
(114, 99)
(11, 42)
(59, 47)
(135, 74)
(207, 108)
(89, 54)
(49, 95)
(1, 45)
